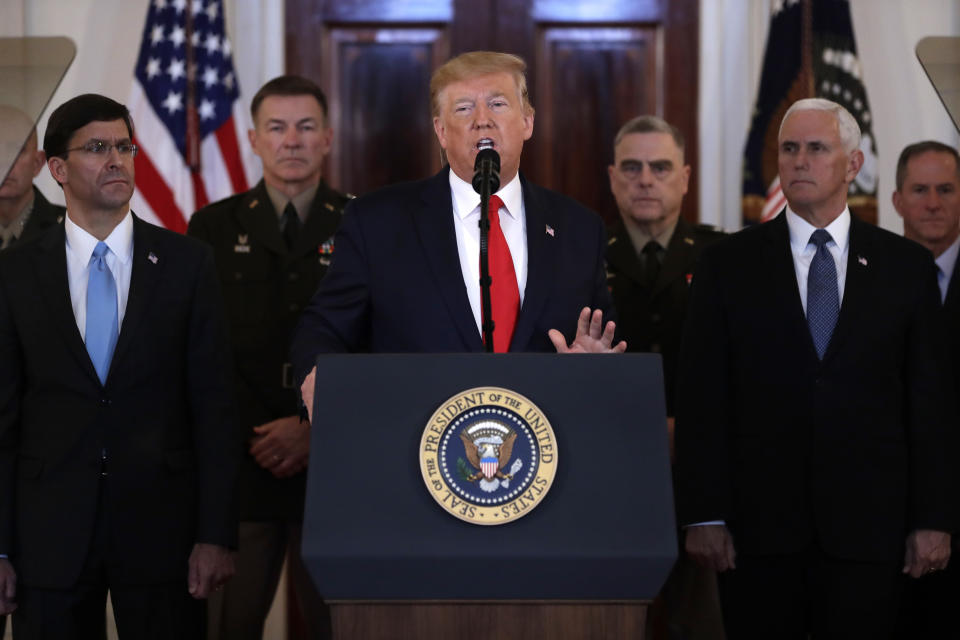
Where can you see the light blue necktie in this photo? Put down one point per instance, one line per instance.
(823, 296)
(102, 329)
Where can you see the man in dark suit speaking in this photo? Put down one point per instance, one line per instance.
(117, 458)
(405, 275)
(814, 452)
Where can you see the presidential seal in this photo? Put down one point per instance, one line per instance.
(488, 455)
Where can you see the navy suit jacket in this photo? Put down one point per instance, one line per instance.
(395, 284)
(850, 453)
(162, 416)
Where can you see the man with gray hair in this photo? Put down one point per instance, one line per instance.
(814, 451)
(650, 255)
(652, 251)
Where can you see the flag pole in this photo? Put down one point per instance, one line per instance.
(193, 128)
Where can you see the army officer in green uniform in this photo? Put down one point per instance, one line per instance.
(272, 245)
(650, 262)
(651, 253)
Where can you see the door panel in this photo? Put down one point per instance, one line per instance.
(592, 65)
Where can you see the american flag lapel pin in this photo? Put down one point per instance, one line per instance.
(152, 257)
(862, 260)
(551, 232)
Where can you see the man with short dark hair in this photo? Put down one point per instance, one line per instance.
(24, 212)
(406, 277)
(272, 245)
(928, 199)
(651, 257)
(652, 250)
(816, 459)
(117, 463)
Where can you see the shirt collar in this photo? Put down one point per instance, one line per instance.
(948, 258)
(82, 243)
(639, 238)
(301, 201)
(466, 200)
(801, 230)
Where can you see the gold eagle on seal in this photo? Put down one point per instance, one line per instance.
(489, 447)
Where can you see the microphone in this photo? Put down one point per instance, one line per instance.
(486, 170)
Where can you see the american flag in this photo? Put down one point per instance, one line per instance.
(811, 52)
(187, 114)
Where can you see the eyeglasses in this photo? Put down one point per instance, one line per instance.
(101, 148)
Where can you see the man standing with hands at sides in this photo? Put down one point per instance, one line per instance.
(24, 212)
(272, 244)
(406, 274)
(815, 458)
(117, 462)
(651, 256)
(928, 200)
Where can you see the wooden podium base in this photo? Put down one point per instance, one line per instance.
(503, 620)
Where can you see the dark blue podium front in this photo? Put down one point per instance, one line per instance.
(605, 531)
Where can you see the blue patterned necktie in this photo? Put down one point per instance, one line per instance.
(102, 329)
(823, 296)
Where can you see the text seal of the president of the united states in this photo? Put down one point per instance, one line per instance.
(488, 455)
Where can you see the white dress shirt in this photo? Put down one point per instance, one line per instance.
(79, 247)
(945, 263)
(466, 221)
(803, 251)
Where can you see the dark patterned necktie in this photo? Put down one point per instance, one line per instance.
(823, 296)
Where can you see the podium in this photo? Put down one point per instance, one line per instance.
(583, 563)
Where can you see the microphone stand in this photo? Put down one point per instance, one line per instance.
(486, 181)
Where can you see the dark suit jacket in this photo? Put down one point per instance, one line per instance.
(265, 287)
(850, 453)
(652, 320)
(43, 216)
(395, 284)
(162, 416)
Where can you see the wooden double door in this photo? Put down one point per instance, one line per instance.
(592, 65)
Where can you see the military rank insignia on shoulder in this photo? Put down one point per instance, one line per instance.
(488, 455)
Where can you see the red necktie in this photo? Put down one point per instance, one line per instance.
(504, 293)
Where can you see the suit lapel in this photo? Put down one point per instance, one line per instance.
(541, 259)
(858, 284)
(257, 217)
(678, 256)
(149, 261)
(321, 224)
(51, 269)
(438, 238)
(952, 300)
(621, 255)
(781, 278)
